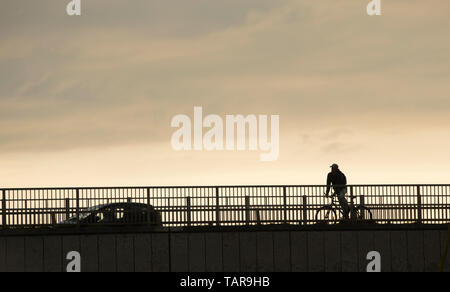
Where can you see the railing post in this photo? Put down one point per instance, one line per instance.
(305, 211)
(284, 205)
(419, 206)
(149, 219)
(217, 207)
(351, 195)
(3, 208)
(77, 211)
(53, 217)
(353, 213)
(26, 212)
(247, 210)
(188, 210)
(67, 209)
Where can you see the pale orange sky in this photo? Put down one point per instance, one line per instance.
(87, 101)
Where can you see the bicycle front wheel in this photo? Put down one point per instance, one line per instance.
(326, 215)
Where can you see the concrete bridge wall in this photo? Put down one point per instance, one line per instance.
(226, 251)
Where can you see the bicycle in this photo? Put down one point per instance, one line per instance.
(327, 213)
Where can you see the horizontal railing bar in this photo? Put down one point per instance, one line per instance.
(212, 187)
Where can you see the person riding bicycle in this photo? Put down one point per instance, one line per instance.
(339, 182)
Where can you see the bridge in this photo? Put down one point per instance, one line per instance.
(227, 228)
(227, 205)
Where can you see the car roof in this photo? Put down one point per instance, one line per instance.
(124, 204)
(120, 204)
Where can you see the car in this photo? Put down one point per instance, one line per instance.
(117, 213)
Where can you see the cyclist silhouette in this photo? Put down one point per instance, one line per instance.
(339, 182)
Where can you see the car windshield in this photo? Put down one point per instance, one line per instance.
(89, 211)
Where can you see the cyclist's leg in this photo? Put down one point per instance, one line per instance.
(343, 202)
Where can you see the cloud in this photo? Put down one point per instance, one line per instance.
(119, 73)
(169, 18)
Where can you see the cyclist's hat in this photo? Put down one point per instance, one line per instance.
(334, 165)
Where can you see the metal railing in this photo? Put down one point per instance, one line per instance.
(227, 205)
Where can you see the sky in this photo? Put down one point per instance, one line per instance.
(88, 100)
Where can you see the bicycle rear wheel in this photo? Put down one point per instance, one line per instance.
(363, 213)
(326, 215)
